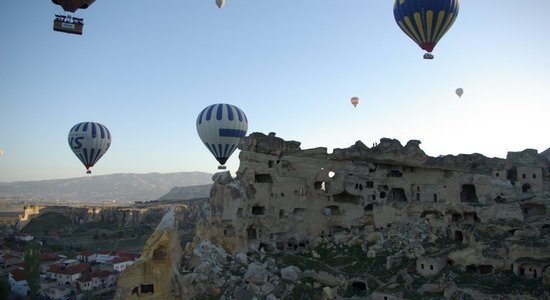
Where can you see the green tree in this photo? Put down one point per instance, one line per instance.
(32, 268)
(4, 289)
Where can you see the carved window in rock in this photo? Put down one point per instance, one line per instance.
(526, 188)
(468, 194)
(147, 288)
(345, 197)
(270, 164)
(471, 217)
(369, 207)
(282, 214)
(397, 195)
(359, 285)
(160, 253)
(258, 210)
(369, 184)
(332, 210)
(251, 233)
(263, 178)
(299, 213)
(394, 173)
(229, 231)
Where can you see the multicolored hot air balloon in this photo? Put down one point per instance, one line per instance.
(67, 23)
(425, 21)
(221, 127)
(459, 92)
(355, 101)
(89, 142)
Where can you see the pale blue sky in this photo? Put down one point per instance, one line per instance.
(145, 69)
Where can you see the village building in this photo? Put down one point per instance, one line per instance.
(87, 256)
(99, 281)
(18, 283)
(67, 274)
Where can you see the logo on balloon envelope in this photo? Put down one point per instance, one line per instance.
(232, 133)
(89, 141)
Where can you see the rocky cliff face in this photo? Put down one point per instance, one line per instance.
(286, 197)
(369, 222)
(140, 214)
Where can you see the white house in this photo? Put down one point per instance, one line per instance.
(67, 274)
(121, 263)
(96, 280)
(18, 283)
(87, 256)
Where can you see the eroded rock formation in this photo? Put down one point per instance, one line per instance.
(404, 214)
(156, 274)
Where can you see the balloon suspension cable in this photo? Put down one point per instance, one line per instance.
(428, 55)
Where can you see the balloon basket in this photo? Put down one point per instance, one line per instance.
(221, 167)
(428, 56)
(68, 24)
(88, 172)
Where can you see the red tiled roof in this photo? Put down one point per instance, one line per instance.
(86, 253)
(9, 255)
(70, 270)
(47, 256)
(120, 260)
(97, 274)
(132, 256)
(18, 275)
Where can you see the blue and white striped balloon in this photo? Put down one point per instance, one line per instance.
(221, 127)
(89, 141)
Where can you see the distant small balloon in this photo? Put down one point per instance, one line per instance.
(459, 92)
(355, 101)
(220, 3)
(1, 151)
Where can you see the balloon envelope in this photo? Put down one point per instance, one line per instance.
(221, 127)
(73, 5)
(459, 92)
(425, 21)
(220, 3)
(89, 142)
(355, 101)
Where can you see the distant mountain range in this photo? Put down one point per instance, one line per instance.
(108, 189)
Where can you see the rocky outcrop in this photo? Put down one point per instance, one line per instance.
(155, 275)
(286, 198)
(288, 223)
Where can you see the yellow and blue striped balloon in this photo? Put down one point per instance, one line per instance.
(425, 21)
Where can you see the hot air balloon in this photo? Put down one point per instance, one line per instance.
(67, 23)
(354, 101)
(220, 3)
(221, 127)
(425, 21)
(89, 142)
(1, 151)
(459, 92)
